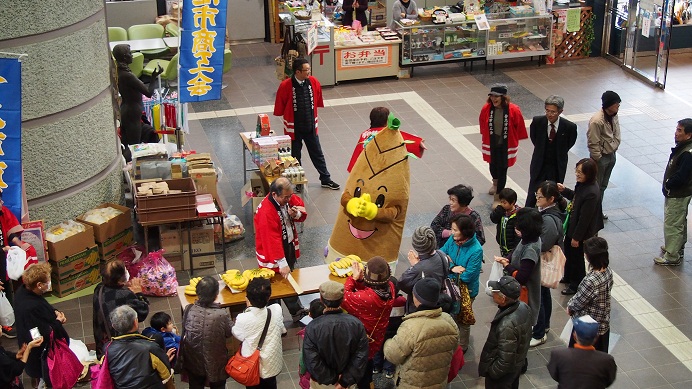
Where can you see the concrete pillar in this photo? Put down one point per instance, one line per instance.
(70, 151)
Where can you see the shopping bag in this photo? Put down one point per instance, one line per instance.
(64, 368)
(16, 260)
(456, 365)
(496, 272)
(158, 276)
(465, 315)
(6, 311)
(132, 258)
(552, 267)
(100, 375)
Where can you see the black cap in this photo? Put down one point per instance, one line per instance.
(498, 90)
(609, 98)
(507, 285)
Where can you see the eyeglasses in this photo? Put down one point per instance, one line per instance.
(550, 112)
(538, 197)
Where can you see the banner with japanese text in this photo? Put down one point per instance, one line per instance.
(201, 50)
(11, 134)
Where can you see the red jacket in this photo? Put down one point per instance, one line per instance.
(268, 242)
(413, 148)
(363, 303)
(516, 131)
(283, 105)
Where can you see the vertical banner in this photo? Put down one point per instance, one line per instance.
(11, 134)
(201, 50)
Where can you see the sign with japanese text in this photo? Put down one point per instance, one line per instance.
(312, 38)
(365, 57)
(202, 50)
(11, 134)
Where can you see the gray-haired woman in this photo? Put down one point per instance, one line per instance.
(206, 326)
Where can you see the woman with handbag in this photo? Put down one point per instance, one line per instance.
(585, 220)
(33, 311)
(206, 327)
(552, 206)
(466, 255)
(115, 290)
(260, 327)
(12, 364)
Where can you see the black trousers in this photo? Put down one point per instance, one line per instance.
(498, 165)
(312, 143)
(574, 266)
(197, 382)
(366, 380)
(265, 383)
(548, 173)
(509, 381)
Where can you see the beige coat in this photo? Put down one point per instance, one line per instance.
(601, 137)
(423, 348)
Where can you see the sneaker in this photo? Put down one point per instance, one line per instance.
(299, 315)
(9, 332)
(389, 374)
(537, 342)
(376, 370)
(664, 262)
(605, 217)
(331, 185)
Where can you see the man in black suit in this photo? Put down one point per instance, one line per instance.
(552, 137)
(582, 366)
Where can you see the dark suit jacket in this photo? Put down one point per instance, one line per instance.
(575, 368)
(566, 136)
(586, 218)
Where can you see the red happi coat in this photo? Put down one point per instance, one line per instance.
(515, 132)
(269, 247)
(283, 104)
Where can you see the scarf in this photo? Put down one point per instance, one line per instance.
(312, 96)
(406, 5)
(505, 121)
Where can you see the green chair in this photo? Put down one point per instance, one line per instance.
(137, 64)
(148, 31)
(172, 29)
(170, 68)
(116, 34)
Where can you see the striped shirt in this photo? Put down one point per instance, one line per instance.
(593, 298)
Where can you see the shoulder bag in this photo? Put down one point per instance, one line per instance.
(62, 365)
(245, 370)
(100, 374)
(552, 263)
(448, 287)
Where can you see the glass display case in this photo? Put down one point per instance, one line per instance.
(322, 58)
(519, 36)
(427, 43)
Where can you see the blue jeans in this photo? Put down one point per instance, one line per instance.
(380, 363)
(544, 313)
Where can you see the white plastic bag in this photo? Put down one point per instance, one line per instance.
(80, 350)
(496, 272)
(6, 311)
(16, 260)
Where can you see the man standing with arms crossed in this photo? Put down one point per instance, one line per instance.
(677, 189)
(297, 101)
(603, 138)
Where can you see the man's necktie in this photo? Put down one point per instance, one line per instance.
(551, 137)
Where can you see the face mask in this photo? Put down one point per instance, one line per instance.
(127, 276)
(49, 285)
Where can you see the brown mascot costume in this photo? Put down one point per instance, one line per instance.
(374, 200)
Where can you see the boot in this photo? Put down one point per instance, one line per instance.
(493, 188)
(496, 201)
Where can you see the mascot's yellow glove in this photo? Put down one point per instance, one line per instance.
(362, 207)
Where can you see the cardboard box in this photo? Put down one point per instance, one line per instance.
(71, 245)
(75, 263)
(202, 242)
(205, 181)
(113, 246)
(76, 282)
(107, 230)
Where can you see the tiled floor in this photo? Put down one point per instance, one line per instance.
(652, 308)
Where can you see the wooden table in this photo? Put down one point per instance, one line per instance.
(309, 279)
(142, 44)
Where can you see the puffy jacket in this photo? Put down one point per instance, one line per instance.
(508, 342)
(433, 266)
(371, 309)
(205, 331)
(470, 256)
(113, 298)
(676, 179)
(335, 344)
(423, 348)
(248, 329)
(137, 362)
(505, 236)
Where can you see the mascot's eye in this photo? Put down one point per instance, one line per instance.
(379, 201)
(357, 192)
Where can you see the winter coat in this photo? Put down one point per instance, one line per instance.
(508, 342)
(365, 304)
(335, 344)
(433, 266)
(443, 221)
(677, 180)
(505, 236)
(586, 217)
(137, 362)
(603, 137)
(515, 132)
(113, 298)
(552, 233)
(423, 348)
(283, 105)
(205, 332)
(532, 252)
(248, 329)
(170, 340)
(470, 256)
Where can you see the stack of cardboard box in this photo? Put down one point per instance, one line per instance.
(114, 235)
(75, 262)
(202, 242)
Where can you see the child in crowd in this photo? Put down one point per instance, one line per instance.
(504, 215)
(162, 327)
(315, 311)
(396, 317)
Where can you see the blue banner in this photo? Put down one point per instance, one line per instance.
(11, 134)
(201, 50)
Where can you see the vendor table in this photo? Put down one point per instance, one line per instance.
(308, 279)
(247, 146)
(142, 44)
(172, 41)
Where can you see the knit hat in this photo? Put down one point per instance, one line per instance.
(586, 328)
(427, 291)
(609, 98)
(332, 290)
(498, 90)
(423, 240)
(506, 285)
(377, 272)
